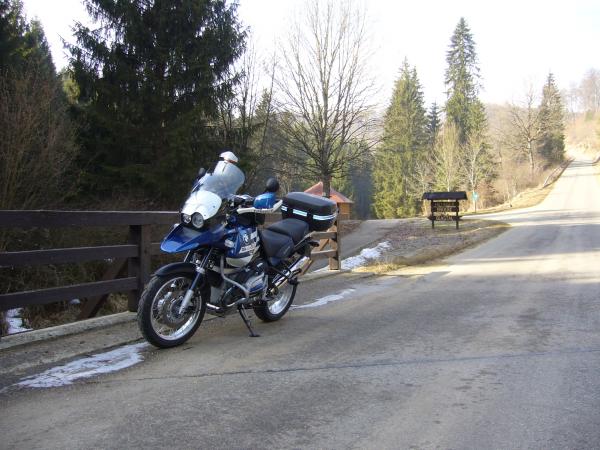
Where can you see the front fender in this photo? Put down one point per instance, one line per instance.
(178, 267)
(184, 239)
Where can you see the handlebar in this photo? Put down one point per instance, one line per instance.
(252, 209)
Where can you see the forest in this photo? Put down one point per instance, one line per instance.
(155, 90)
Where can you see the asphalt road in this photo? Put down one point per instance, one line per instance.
(498, 347)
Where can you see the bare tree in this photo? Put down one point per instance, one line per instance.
(476, 163)
(237, 108)
(325, 89)
(526, 129)
(37, 143)
(589, 91)
(446, 157)
(246, 112)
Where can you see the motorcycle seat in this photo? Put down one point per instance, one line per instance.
(294, 228)
(277, 246)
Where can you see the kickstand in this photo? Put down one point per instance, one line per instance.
(247, 322)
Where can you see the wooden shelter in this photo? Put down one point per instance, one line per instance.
(343, 202)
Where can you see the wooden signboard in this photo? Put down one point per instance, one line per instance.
(445, 206)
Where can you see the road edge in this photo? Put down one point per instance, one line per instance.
(82, 326)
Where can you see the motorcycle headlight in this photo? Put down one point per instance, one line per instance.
(197, 220)
(186, 218)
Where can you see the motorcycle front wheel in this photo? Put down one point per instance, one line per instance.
(158, 313)
(276, 308)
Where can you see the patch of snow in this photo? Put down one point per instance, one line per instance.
(90, 366)
(365, 255)
(324, 300)
(15, 321)
(75, 301)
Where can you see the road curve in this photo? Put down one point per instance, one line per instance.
(498, 347)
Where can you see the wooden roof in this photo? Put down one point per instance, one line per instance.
(334, 195)
(459, 195)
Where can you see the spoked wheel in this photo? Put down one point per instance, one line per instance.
(276, 308)
(159, 318)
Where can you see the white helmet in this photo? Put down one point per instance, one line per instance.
(229, 157)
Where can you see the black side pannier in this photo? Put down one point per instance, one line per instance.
(318, 212)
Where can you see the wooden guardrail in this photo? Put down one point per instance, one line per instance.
(131, 267)
(329, 247)
(558, 170)
(128, 273)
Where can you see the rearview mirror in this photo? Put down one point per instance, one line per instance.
(272, 185)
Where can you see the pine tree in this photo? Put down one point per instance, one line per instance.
(149, 79)
(404, 142)
(434, 124)
(36, 137)
(13, 27)
(552, 141)
(462, 81)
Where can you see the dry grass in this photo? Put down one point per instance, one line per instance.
(582, 132)
(67, 313)
(525, 199)
(417, 243)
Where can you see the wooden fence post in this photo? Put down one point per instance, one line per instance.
(139, 266)
(457, 206)
(92, 305)
(334, 262)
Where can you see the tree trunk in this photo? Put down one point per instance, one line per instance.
(327, 186)
(531, 160)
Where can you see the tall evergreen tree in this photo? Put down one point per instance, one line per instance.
(434, 124)
(150, 77)
(462, 81)
(403, 144)
(552, 141)
(12, 29)
(23, 44)
(36, 136)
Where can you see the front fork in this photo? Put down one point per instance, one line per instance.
(187, 298)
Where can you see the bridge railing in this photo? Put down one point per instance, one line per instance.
(130, 268)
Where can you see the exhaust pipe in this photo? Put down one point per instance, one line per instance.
(297, 268)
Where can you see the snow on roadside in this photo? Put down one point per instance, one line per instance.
(324, 300)
(15, 322)
(107, 362)
(366, 255)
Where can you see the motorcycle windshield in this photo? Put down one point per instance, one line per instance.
(224, 181)
(212, 188)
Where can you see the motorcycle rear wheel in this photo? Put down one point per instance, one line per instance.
(158, 310)
(276, 309)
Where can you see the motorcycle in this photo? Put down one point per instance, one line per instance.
(231, 263)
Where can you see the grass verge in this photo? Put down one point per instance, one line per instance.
(417, 243)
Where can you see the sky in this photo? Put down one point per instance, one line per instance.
(518, 42)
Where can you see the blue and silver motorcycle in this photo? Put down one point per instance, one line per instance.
(231, 263)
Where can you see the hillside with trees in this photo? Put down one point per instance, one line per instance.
(154, 90)
(492, 150)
